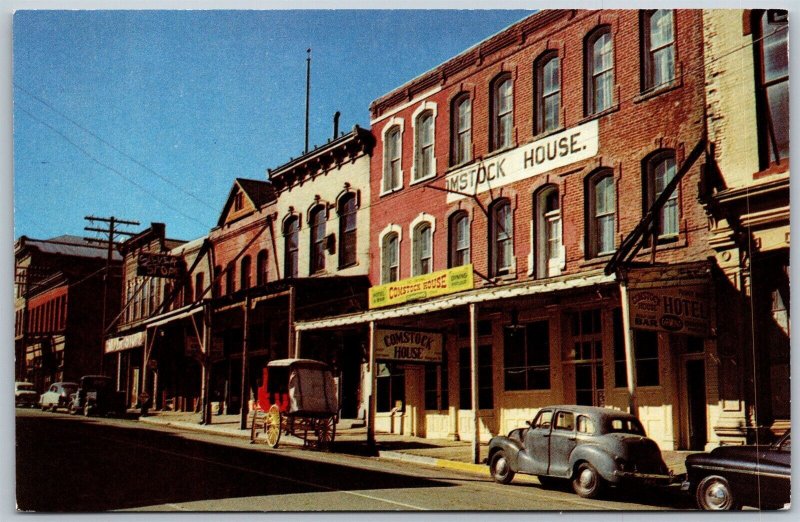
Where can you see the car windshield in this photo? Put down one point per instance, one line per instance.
(624, 425)
(69, 388)
(25, 387)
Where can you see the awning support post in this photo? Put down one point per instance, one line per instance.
(244, 393)
(630, 354)
(372, 386)
(473, 360)
(291, 339)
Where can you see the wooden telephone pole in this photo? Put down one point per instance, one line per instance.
(110, 233)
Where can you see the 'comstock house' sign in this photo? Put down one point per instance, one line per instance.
(422, 287)
(407, 345)
(558, 150)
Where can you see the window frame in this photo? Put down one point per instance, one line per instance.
(422, 170)
(291, 258)
(593, 215)
(543, 219)
(392, 156)
(500, 116)
(420, 248)
(500, 238)
(348, 230)
(769, 153)
(389, 265)
(592, 74)
(648, 52)
(461, 150)
(533, 343)
(262, 260)
(651, 168)
(541, 98)
(459, 255)
(317, 221)
(245, 266)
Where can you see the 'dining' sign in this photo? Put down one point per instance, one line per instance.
(408, 345)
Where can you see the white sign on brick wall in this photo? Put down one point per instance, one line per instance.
(558, 150)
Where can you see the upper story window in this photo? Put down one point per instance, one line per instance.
(261, 268)
(501, 238)
(425, 165)
(199, 291)
(348, 255)
(772, 76)
(459, 239)
(548, 93)
(291, 242)
(230, 277)
(599, 71)
(392, 154)
(244, 275)
(601, 198)
(461, 137)
(238, 201)
(423, 249)
(217, 281)
(502, 112)
(317, 254)
(549, 244)
(658, 48)
(660, 169)
(390, 258)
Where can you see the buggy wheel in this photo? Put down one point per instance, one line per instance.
(325, 430)
(273, 426)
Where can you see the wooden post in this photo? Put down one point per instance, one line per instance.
(372, 386)
(245, 389)
(205, 418)
(291, 339)
(630, 354)
(473, 359)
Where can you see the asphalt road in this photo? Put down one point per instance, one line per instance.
(125, 465)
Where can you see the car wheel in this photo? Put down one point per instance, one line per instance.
(587, 482)
(72, 409)
(715, 494)
(86, 410)
(500, 468)
(44, 408)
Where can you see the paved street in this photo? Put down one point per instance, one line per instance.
(126, 465)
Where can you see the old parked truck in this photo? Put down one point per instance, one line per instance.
(97, 395)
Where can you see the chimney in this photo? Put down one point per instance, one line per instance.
(336, 124)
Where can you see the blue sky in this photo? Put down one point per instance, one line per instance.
(150, 115)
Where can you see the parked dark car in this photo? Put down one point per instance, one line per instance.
(97, 395)
(58, 395)
(730, 477)
(593, 447)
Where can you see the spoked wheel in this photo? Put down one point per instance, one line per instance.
(273, 426)
(325, 430)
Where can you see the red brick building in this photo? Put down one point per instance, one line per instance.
(532, 156)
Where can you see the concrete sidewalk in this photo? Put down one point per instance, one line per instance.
(351, 438)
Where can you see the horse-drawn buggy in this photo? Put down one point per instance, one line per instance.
(298, 397)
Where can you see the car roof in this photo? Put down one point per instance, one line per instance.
(590, 410)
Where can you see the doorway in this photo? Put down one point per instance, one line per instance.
(696, 403)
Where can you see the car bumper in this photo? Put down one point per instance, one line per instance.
(646, 477)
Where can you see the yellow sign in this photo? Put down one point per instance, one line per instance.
(408, 345)
(434, 284)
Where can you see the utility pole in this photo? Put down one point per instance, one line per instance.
(110, 240)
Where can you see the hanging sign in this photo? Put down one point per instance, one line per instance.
(422, 287)
(407, 345)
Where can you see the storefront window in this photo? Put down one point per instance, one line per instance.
(436, 392)
(526, 357)
(485, 376)
(645, 345)
(391, 388)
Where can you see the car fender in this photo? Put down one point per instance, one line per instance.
(511, 448)
(602, 461)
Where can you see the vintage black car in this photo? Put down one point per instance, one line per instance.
(97, 395)
(593, 447)
(730, 477)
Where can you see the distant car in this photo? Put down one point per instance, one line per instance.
(58, 395)
(24, 394)
(730, 477)
(97, 395)
(590, 446)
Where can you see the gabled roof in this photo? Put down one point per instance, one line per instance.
(259, 193)
(67, 245)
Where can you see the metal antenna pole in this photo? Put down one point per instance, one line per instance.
(308, 92)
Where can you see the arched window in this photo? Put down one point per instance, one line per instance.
(261, 268)
(658, 48)
(423, 250)
(548, 92)
(199, 291)
(599, 68)
(461, 133)
(659, 171)
(601, 198)
(390, 262)
(291, 240)
(244, 273)
(348, 254)
(549, 244)
(392, 153)
(230, 277)
(217, 281)
(459, 239)
(317, 253)
(502, 115)
(423, 144)
(772, 81)
(501, 238)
